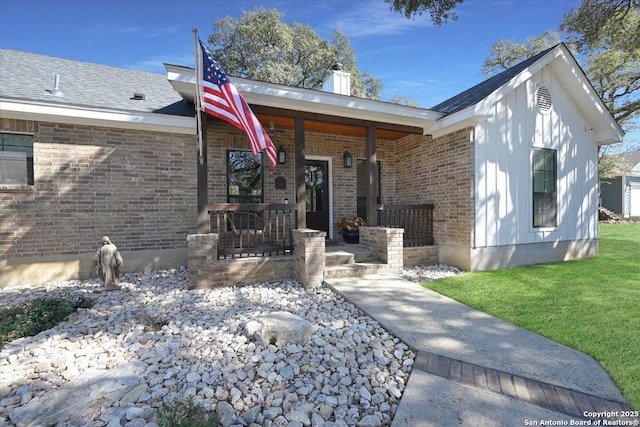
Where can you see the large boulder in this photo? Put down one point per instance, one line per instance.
(77, 401)
(279, 328)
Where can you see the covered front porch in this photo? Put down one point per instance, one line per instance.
(249, 242)
(339, 156)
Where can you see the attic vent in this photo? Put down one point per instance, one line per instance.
(543, 99)
(138, 96)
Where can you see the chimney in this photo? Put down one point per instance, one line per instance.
(339, 81)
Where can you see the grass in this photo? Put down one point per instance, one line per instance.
(36, 316)
(592, 305)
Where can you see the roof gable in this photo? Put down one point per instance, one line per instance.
(480, 91)
(633, 160)
(475, 104)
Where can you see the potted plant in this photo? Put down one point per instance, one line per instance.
(350, 227)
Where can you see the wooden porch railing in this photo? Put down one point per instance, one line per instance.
(417, 221)
(252, 229)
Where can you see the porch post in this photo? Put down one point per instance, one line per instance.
(203, 196)
(299, 171)
(370, 169)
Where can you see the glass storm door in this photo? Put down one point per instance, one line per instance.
(316, 174)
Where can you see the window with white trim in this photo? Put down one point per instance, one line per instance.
(244, 177)
(16, 159)
(545, 198)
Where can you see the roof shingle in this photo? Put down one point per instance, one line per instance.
(29, 76)
(480, 91)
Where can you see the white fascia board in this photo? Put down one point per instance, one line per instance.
(608, 136)
(25, 110)
(456, 121)
(312, 101)
(607, 129)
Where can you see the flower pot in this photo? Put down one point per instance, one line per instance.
(351, 236)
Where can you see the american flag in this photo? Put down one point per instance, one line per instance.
(221, 98)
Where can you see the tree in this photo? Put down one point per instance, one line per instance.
(587, 21)
(612, 62)
(507, 53)
(440, 10)
(260, 46)
(403, 100)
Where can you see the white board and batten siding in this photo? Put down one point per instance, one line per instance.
(503, 156)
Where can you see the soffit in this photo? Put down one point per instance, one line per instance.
(320, 103)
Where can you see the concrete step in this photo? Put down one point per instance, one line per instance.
(357, 269)
(338, 256)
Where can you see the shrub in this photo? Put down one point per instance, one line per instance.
(36, 316)
(185, 413)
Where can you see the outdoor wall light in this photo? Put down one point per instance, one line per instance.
(282, 156)
(348, 160)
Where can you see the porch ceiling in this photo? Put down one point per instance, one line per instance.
(332, 128)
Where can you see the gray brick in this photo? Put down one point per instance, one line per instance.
(552, 397)
(479, 376)
(521, 388)
(444, 363)
(455, 371)
(493, 381)
(432, 364)
(582, 401)
(506, 383)
(536, 393)
(467, 373)
(421, 360)
(569, 405)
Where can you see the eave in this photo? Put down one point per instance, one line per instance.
(310, 101)
(60, 113)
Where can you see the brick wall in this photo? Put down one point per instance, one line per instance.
(439, 171)
(95, 181)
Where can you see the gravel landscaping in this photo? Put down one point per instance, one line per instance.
(153, 341)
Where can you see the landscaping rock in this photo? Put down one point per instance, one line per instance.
(315, 360)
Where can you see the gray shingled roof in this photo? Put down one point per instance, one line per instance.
(28, 76)
(632, 159)
(480, 91)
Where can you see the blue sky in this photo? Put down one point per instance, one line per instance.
(412, 57)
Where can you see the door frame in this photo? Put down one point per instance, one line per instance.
(329, 161)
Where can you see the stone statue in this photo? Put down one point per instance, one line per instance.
(108, 263)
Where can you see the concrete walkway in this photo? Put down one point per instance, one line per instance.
(473, 369)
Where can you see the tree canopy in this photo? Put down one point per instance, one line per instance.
(439, 10)
(588, 22)
(260, 46)
(611, 53)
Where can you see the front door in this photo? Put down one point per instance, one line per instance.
(316, 177)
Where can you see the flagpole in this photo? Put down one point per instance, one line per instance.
(198, 103)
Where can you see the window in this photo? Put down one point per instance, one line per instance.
(16, 159)
(545, 201)
(244, 177)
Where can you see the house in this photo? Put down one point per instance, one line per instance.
(507, 169)
(622, 193)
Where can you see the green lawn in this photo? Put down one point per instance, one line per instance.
(592, 305)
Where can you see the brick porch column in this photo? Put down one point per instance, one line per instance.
(387, 244)
(203, 253)
(309, 251)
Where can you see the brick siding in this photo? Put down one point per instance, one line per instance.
(139, 187)
(440, 171)
(95, 181)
